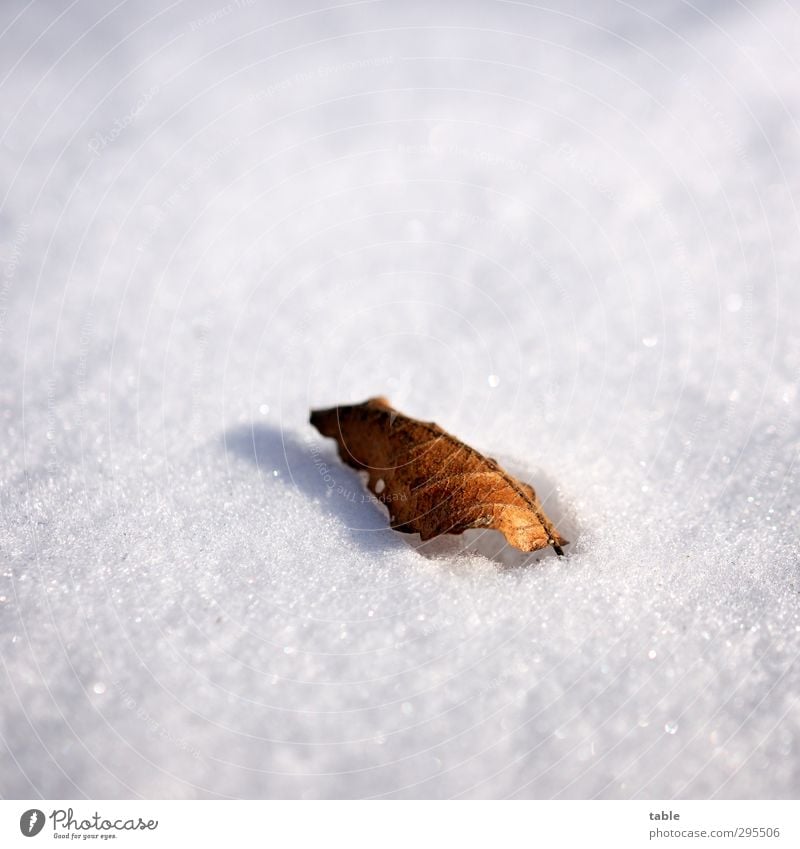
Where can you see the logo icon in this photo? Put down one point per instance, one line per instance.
(31, 822)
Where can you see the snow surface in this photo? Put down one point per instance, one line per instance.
(568, 234)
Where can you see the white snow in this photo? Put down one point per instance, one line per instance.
(568, 235)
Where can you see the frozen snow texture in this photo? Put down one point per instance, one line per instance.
(568, 235)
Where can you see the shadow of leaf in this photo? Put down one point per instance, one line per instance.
(312, 467)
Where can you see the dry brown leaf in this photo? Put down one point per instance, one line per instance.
(432, 482)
